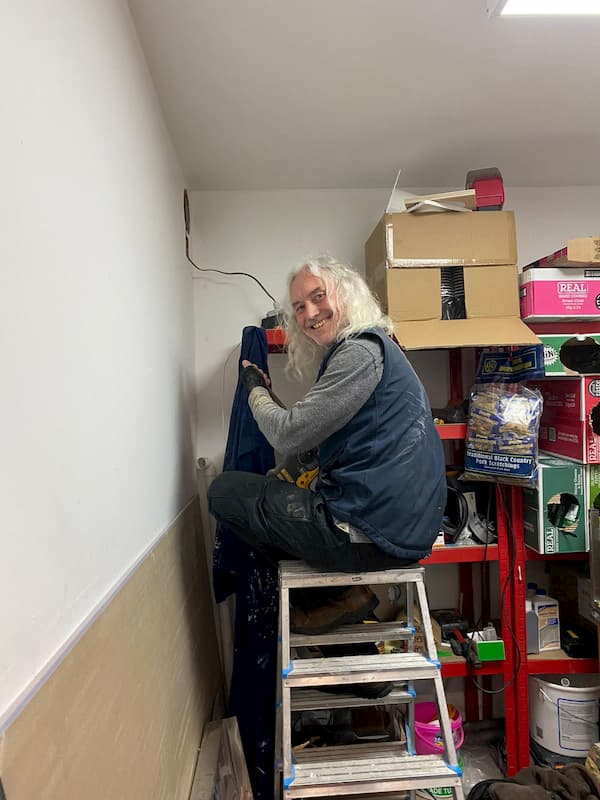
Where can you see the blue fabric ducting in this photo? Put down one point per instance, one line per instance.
(239, 569)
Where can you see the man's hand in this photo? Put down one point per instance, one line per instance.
(252, 377)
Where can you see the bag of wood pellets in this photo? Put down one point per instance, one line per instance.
(503, 424)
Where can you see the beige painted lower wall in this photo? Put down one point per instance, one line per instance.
(122, 716)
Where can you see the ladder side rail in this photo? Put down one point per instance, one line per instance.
(286, 700)
(410, 621)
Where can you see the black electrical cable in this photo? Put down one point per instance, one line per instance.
(187, 220)
(222, 272)
(453, 528)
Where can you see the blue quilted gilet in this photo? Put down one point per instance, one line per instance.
(384, 471)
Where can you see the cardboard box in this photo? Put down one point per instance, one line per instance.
(483, 243)
(576, 253)
(592, 486)
(554, 514)
(571, 354)
(412, 298)
(570, 424)
(442, 239)
(555, 293)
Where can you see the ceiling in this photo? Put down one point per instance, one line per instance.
(266, 94)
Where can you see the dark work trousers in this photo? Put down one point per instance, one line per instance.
(284, 521)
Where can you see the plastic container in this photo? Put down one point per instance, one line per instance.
(563, 712)
(531, 627)
(428, 732)
(546, 609)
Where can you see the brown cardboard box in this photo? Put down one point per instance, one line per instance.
(412, 298)
(581, 252)
(439, 239)
(419, 640)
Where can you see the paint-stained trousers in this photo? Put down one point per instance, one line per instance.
(284, 521)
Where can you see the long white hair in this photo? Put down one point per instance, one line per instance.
(356, 303)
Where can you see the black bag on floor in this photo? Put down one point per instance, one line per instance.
(481, 790)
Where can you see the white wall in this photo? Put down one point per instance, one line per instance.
(96, 320)
(267, 232)
(546, 218)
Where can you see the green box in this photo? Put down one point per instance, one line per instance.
(491, 651)
(592, 485)
(571, 354)
(555, 514)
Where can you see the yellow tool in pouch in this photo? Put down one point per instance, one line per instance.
(301, 469)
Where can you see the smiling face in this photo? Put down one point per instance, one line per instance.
(315, 308)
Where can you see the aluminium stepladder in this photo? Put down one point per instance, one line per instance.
(360, 770)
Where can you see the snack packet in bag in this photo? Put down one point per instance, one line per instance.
(503, 424)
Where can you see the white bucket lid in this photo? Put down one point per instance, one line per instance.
(572, 682)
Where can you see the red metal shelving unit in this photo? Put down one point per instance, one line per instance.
(533, 555)
(563, 327)
(451, 554)
(511, 555)
(452, 432)
(275, 340)
(456, 667)
(558, 663)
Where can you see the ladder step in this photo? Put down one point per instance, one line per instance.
(404, 795)
(361, 769)
(313, 699)
(364, 632)
(296, 574)
(360, 669)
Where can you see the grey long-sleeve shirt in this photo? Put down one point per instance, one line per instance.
(349, 379)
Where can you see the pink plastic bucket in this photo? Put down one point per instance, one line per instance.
(428, 732)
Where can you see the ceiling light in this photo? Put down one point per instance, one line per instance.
(530, 8)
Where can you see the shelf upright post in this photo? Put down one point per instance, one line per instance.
(455, 365)
(465, 571)
(519, 584)
(506, 611)
(465, 578)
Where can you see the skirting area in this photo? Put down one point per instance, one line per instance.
(123, 714)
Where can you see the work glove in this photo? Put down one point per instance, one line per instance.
(251, 378)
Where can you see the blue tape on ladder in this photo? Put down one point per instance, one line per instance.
(287, 782)
(412, 693)
(412, 629)
(434, 662)
(456, 769)
(286, 670)
(410, 747)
